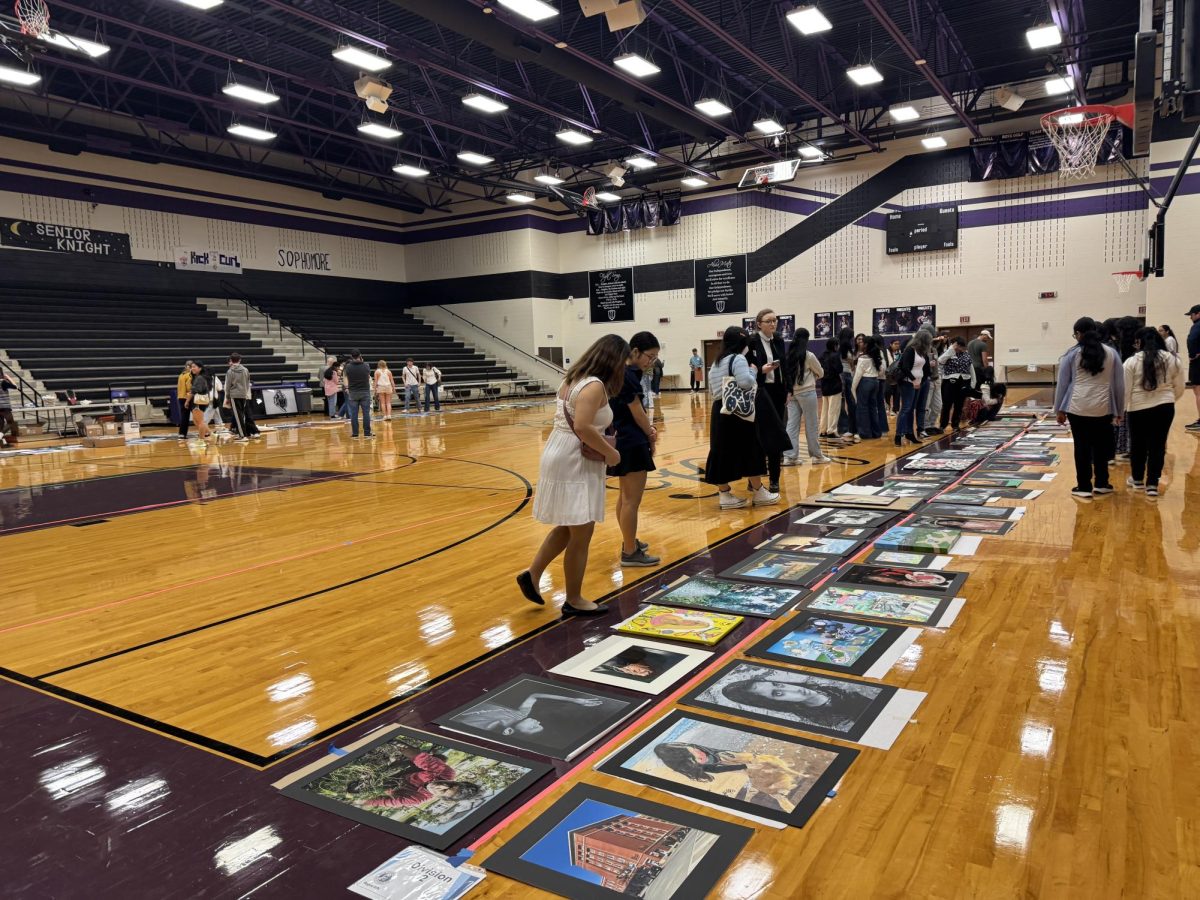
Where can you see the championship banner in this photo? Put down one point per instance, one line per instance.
(63, 239)
(208, 261)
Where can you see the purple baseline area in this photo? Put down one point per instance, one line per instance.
(72, 502)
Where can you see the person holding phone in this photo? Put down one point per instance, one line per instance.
(774, 381)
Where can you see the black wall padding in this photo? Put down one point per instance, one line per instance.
(918, 170)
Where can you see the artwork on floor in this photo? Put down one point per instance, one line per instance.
(919, 609)
(942, 478)
(858, 501)
(417, 874)
(859, 711)
(963, 525)
(834, 644)
(859, 533)
(803, 543)
(593, 844)
(910, 580)
(422, 787)
(919, 490)
(719, 595)
(926, 540)
(996, 513)
(774, 567)
(870, 518)
(632, 663)
(540, 716)
(940, 463)
(905, 558)
(967, 496)
(740, 768)
(692, 625)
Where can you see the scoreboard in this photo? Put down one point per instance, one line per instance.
(918, 230)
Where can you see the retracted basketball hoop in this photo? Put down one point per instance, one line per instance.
(1125, 280)
(34, 16)
(1078, 133)
(589, 197)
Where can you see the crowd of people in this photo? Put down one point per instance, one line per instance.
(201, 395)
(341, 396)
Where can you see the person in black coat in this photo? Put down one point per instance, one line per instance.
(775, 379)
(915, 372)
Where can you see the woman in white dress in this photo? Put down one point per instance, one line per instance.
(385, 387)
(570, 492)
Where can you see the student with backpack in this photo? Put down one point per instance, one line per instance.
(831, 389)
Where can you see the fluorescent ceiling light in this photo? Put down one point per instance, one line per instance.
(1070, 119)
(607, 196)
(769, 126)
(379, 130)
(250, 131)
(1043, 36)
(711, 107)
(94, 49)
(484, 104)
(1060, 85)
(636, 65)
(356, 56)
(409, 171)
(693, 181)
(640, 162)
(202, 4)
(547, 178)
(864, 75)
(904, 113)
(809, 20)
(23, 77)
(520, 198)
(249, 93)
(810, 152)
(934, 142)
(570, 136)
(475, 159)
(534, 10)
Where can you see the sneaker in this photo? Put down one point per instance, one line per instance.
(1195, 426)
(764, 497)
(1080, 492)
(641, 545)
(773, 487)
(1107, 489)
(1123, 457)
(1136, 485)
(730, 500)
(1152, 490)
(639, 557)
(821, 461)
(792, 461)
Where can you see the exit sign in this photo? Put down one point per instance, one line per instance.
(964, 320)
(1047, 295)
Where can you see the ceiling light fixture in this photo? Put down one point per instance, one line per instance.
(711, 107)
(379, 130)
(251, 132)
(202, 4)
(520, 198)
(547, 178)
(23, 77)
(809, 20)
(1043, 36)
(607, 196)
(769, 126)
(864, 75)
(933, 142)
(636, 65)
(356, 56)
(534, 10)
(641, 163)
(475, 159)
(810, 152)
(904, 113)
(693, 181)
(571, 136)
(484, 103)
(409, 171)
(249, 93)
(94, 49)
(1061, 85)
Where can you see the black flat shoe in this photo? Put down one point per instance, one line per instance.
(569, 610)
(525, 583)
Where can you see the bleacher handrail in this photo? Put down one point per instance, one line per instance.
(23, 385)
(233, 292)
(559, 370)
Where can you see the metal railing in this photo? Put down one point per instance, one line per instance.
(26, 390)
(559, 370)
(235, 293)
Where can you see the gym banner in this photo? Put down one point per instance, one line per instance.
(720, 285)
(302, 260)
(610, 295)
(208, 261)
(63, 239)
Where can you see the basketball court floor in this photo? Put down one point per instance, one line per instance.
(190, 625)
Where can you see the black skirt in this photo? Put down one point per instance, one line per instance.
(633, 459)
(734, 451)
(769, 403)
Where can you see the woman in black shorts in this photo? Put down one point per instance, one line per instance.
(635, 442)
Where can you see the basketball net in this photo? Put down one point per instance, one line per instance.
(34, 16)
(1125, 280)
(589, 197)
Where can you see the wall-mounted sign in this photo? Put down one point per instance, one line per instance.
(207, 261)
(610, 295)
(302, 261)
(843, 318)
(64, 239)
(720, 285)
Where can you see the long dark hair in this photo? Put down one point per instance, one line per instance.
(605, 360)
(1154, 367)
(845, 339)
(1127, 327)
(875, 351)
(829, 715)
(798, 351)
(677, 756)
(1091, 353)
(734, 341)
(1167, 329)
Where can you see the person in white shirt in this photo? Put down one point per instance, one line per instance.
(385, 387)
(1153, 385)
(432, 376)
(1169, 339)
(410, 377)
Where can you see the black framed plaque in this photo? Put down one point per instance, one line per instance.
(720, 285)
(610, 295)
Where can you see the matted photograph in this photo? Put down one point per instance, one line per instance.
(906, 558)
(764, 775)
(633, 663)
(803, 543)
(868, 714)
(942, 478)
(919, 609)
(940, 463)
(695, 626)
(775, 567)
(720, 595)
(964, 525)
(910, 490)
(833, 644)
(868, 518)
(996, 513)
(992, 481)
(911, 580)
(540, 716)
(968, 496)
(855, 501)
(926, 539)
(422, 787)
(595, 844)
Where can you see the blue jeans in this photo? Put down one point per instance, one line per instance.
(803, 406)
(906, 423)
(922, 403)
(848, 420)
(870, 400)
(331, 405)
(431, 390)
(357, 403)
(881, 422)
(412, 392)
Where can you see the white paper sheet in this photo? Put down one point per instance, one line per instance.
(856, 490)
(889, 657)
(1055, 440)
(951, 613)
(887, 727)
(940, 562)
(967, 545)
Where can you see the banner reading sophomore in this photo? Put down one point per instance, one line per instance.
(64, 239)
(610, 295)
(720, 285)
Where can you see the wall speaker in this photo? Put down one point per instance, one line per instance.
(595, 7)
(626, 15)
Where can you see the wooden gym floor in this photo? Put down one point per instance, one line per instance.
(254, 600)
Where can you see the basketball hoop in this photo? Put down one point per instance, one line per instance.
(589, 197)
(1078, 132)
(1125, 280)
(34, 16)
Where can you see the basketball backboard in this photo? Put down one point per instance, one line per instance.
(763, 177)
